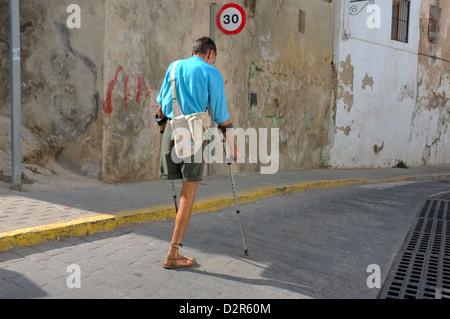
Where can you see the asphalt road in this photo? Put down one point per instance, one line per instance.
(312, 244)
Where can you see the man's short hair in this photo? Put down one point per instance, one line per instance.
(203, 45)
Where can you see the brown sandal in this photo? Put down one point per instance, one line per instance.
(172, 262)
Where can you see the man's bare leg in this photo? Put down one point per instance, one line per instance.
(182, 222)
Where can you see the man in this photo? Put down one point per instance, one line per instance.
(199, 85)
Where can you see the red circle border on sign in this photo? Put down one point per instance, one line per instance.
(244, 18)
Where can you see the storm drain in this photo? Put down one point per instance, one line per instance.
(422, 267)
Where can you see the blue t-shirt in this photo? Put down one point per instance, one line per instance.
(199, 85)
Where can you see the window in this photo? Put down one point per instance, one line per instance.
(434, 24)
(400, 20)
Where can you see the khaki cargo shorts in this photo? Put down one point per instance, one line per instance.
(189, 172)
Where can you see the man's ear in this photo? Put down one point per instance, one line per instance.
(211, 56)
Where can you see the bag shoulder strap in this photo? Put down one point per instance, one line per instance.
(175, 106)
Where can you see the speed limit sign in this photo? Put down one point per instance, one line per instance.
(231, 19)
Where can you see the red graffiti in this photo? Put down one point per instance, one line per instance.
(140, 87)
(107, 104)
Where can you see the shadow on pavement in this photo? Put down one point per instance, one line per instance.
(14, 285)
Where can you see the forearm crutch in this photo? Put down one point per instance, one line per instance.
(174, 197)
(230, 160)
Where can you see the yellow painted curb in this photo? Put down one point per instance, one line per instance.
(101, 223)
(81, 227)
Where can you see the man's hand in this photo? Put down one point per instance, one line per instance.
(161, 116)
(229, 138)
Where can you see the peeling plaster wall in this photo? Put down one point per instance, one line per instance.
(430, 131)
(375, 90)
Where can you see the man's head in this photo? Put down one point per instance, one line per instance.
(206, 49)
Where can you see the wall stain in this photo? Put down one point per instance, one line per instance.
(367, 81)
(345, 129)
(252, 97)
(377, 149)
(251, 5)
(310, 118)
(345, 86)
(278, 121)
(65, 37)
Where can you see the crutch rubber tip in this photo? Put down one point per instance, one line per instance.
(246, 252)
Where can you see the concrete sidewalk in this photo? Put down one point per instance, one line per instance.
(41, 212)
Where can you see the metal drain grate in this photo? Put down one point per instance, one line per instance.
(443, 196)
(418, 276)
(422, 267)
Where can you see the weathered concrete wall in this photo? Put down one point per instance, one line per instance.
(274, 75)
(89, 93)
(61, 78)
(375, 90)
(4, 56)
(131, 141)
(430, 125)
(278, 76)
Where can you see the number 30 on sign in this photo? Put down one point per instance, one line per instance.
(231, 19)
